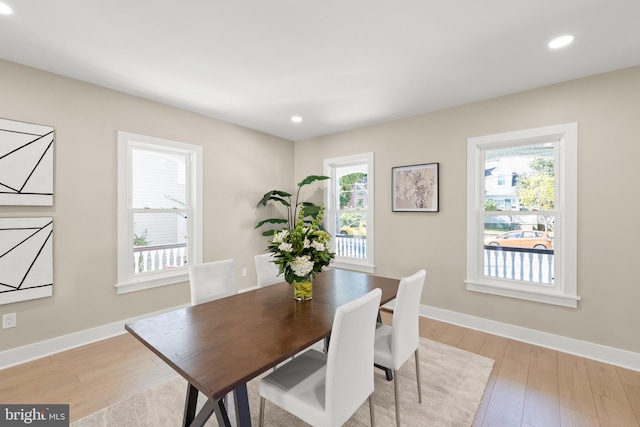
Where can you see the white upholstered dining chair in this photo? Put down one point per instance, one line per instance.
(394, 344)
(212, 280)
(327, 389)
(266, 271)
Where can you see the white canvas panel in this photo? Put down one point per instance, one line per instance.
(26, 259)
(26, 163)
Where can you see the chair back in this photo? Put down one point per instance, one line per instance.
(405, 337)
(349, 377)
(212, 280)
(267, 272)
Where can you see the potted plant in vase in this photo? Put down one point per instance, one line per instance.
(301, 249)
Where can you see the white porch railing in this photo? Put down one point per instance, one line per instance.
(529, 265)
(161, 257)
(351, 246)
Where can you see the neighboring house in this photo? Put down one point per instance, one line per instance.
(501, 178)
(159, 229)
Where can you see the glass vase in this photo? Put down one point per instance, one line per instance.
(303, 290)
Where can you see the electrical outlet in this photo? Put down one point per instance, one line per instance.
(244, 271)
(8, 320)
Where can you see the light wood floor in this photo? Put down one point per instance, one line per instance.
(529, 385)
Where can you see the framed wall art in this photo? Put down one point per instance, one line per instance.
(415, 188)
(26, 164)
(26, 259)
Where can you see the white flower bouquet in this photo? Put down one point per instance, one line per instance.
(302, 252)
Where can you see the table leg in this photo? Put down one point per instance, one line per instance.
(207, 410)
(190, 405)
(241, 400)
(192, 420)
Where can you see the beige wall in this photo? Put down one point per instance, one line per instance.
(607, 110)
(240, 165)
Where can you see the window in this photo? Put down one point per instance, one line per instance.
(349, 210)
(523, 244)
(159, 211)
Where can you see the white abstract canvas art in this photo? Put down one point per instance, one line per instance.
(26, 259)
(26, 164)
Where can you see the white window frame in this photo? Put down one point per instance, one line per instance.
(367, 264)
(126, 280)
(564, 290)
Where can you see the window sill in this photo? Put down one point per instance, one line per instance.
(554, 298)
(153, 281)
(353, 265)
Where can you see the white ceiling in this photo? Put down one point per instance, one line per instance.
(340, 64)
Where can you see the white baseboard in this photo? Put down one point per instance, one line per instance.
(610, 355)
(18, 355)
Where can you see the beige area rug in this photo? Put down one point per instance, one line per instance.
(453, 383)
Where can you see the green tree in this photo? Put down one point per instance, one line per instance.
(543, 166)
(536, 190)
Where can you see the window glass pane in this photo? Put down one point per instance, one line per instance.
(352, 224)
(352, 187)
(160, 228)
(158, 180)
(159, 241)
(351, 235)
(519, 247)
(351, 217)
(520, 178)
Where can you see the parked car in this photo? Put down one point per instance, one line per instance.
(522, 239)
(358, 228)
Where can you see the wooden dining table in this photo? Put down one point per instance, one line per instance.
(220, 345)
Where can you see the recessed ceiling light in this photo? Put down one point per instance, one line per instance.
(5, 10)
(296, 119)
(561, 41)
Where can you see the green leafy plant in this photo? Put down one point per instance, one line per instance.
(490, 205)
(294, 210)
(140, 239)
